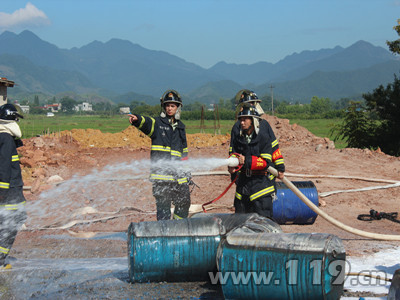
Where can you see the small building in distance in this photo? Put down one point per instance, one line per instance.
(84, 106)
(55, 107)
(4, 84)
(124, 110)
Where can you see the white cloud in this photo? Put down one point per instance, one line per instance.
(25, 17)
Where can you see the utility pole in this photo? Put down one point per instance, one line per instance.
(272, 98)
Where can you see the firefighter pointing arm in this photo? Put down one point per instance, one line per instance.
(168, 147)
(132, 119)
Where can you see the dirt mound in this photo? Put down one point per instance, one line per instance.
(132, 138)
(295, 134)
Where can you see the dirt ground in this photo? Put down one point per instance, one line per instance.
(108, 202)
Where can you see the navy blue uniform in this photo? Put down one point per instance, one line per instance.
(170, 183)
(254, 189)
(12, 200)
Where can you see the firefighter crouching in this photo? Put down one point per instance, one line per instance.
(168, 148)
(12, 200)
(256, 147)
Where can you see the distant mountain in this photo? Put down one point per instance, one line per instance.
(244, 74)
(262, 72)
(358, 56)
(132, 96)
(335, 85)
(125, 72)
(213, 91)
(124, 67)
(31, 77)
(39, 52)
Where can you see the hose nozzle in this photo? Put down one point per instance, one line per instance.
(232, 161)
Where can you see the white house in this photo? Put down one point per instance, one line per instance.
(84, 106)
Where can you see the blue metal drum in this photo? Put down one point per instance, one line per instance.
(173, 250)
(288, 207)
(281, 266)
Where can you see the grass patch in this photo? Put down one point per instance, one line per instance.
(321, 128)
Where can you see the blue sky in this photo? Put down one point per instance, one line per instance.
(208, 31)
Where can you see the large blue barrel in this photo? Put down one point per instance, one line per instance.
(247, 222)
(173, 250)
(281, 266)
(288, 207)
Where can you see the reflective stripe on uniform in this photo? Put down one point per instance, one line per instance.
(266, 156)
(4, 250)
(160, 148)
(182, 180)
(162, 177)
(237, 195)
(152, 125)
(185, 150)
(279, 161)
(15, 158)
(274, 143)
(176, 153)
(142, 123)
(262, 193)
(4, 185)
(13, 206)
(176, 217)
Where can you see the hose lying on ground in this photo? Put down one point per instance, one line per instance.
(313, 207)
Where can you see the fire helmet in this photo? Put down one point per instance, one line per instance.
(248, 110)
(10, 112)
(246, 96)
(171, 96)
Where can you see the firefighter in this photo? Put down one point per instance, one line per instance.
(244, 97)
(168, 147)
(257, 149)
(12, 200)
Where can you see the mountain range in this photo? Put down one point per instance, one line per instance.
(123, 72)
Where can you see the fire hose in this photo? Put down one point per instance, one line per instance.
(313, 207)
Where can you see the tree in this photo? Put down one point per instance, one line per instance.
(356, 128)
(320, 105)
(36, 100)
(385, 103)
(394, 46)
(68, 105)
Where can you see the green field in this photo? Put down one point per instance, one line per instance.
(321, 128)
(34, 125)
